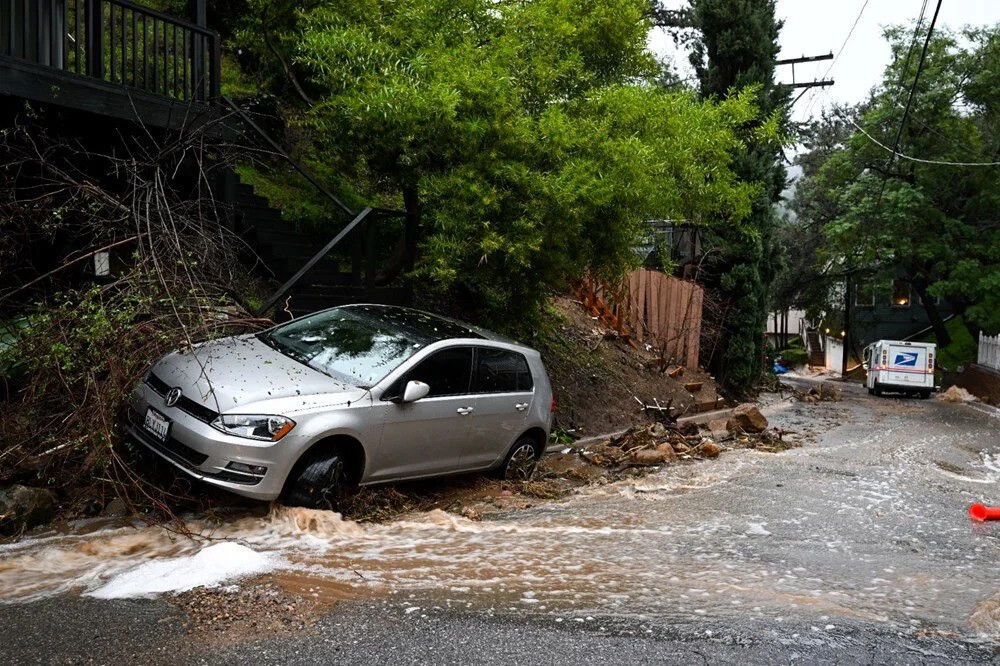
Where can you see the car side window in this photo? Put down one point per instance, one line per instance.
(501, 371)
(447, 372)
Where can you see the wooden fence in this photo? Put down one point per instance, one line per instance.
(989, 351)
(660, 310)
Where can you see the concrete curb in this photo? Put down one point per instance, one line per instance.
(704, 417)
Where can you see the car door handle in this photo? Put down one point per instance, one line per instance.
(521, 406)
(464, 411)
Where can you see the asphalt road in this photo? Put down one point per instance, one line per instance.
(855, 548)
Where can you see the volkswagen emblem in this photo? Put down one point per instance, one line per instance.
(172, 396)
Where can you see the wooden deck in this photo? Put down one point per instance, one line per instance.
(110, 57)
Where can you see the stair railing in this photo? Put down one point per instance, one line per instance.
(368, 216)
(115, 41)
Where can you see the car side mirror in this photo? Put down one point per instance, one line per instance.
(415, 391)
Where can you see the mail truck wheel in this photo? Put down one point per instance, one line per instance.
(319, 482)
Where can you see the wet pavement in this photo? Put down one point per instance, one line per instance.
(855, 548)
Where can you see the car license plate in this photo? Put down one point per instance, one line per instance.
(156, 424)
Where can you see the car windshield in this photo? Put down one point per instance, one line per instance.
(358, 344)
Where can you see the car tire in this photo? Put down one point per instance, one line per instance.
(319, 482)
(520, 462)
(924, 395)
(871, 391)
(877, 390)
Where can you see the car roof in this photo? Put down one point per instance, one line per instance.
(433, 327)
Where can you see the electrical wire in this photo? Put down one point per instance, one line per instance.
(916, 78)
(829, 69)
(916, 159)
(913, 43)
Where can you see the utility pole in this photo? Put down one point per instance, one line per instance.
(805, 85)
(848, 305)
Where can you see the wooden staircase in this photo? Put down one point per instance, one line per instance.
(282, 250)
(817, 356)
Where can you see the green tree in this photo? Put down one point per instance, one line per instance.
(524, 136)
(736, 48)
(928, 222)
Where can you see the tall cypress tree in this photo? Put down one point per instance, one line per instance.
(736, 47)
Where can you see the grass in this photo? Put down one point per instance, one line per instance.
(795, 356)
(962, 349)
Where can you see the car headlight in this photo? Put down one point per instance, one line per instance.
(254, 426)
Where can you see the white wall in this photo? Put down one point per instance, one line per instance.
(834, 348)
(794, 317)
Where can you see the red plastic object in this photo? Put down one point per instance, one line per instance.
(981, 512)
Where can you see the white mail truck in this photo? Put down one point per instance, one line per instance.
(900, 367)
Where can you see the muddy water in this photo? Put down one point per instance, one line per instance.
(562, 556)
(867, 524)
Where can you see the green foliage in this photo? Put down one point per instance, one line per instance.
(795, 356)
(963, 347)
(526, 135)
(931, 224)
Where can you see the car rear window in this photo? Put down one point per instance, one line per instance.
(501, 371)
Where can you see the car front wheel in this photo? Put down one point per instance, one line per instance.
(521, 460)
(321, 482)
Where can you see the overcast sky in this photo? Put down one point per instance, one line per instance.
(814, 27)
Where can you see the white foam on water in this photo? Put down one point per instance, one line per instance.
(757, 529)
(208, 567)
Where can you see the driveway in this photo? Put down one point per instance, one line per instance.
(855, 548)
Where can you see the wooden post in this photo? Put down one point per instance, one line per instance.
(199, 16)
(847, 326)
(95, 38)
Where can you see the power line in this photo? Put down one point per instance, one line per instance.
(916, 159)
(916, 78)
(913, 42)
(857, 19)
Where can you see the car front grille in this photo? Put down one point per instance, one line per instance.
(157, 384)
(171, 448)
(185, 404)
(185, 455)
(232, 477)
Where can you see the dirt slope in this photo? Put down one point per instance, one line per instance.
(597, 377)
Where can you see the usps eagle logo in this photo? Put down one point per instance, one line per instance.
(905, 359)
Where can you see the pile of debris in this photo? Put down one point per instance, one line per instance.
(821, 393)
(661, 443)
(957, 394)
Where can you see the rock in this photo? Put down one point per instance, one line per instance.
(657, 430)
(471, 513)
(719, 429)
(710, 449)
(117, 508)
(667, 450)
(649, 457)
(22, 508)
(747, 418)
(681, 449)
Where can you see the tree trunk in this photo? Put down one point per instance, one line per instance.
(940, 330)
(404, 255)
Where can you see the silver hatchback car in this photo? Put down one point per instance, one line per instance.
(349, 396)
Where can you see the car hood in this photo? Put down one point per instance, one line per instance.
(230, 373)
